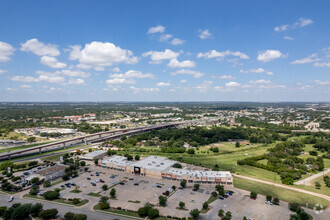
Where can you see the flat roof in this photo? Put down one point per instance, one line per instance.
(53, 169)
(199, 173)
(155, 163)
(117, 160)
(95, 153)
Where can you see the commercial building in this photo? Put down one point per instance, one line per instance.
(98, 154)
(53, 172)
(115, 162)
(161, 167)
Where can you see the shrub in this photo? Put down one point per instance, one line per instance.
(104, 205)
(177, 165)
(69, 216)
(137, 157)
(269, 198)
(276, 201)
(294, 206)
(191, 151)
(46, 183)
(183, 183)
(153, 213)
(317, 185)
(205, 205)
(51, 195)
(75, 201)
(194, 213)
(48, 214)
(182, 205)
(221, 213)
(214, 194)
(253, 195)
(162, 201)
(113, 193)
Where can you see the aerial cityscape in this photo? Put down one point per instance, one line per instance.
(164, 110)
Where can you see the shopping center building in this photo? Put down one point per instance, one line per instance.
(161, 167)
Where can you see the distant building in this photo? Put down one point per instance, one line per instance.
(98, 154)
(53, 172)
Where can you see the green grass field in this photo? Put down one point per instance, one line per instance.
(323, 190)
(283, 194)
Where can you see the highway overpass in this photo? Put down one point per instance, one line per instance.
(87, 139)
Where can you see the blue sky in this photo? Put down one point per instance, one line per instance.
(164, 50)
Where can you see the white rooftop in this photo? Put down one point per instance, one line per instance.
(199, 173)
(94, 153)
(154, 162)
(117, 160)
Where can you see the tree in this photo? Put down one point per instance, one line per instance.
(75, 201)
(153, 213)
(253, 195)
(96, 161)
(2, 210)
(46, 184)
(65, 177)
(317, 185)
(183, 183)
(177, 165)
(237, 144)
(31, 139)
(36, 209)
(21, 212)
(51, 195)
(104, 199)
(227, 216)
(82, 163)
(137, 157)
(221, 213)
(268, 198)
(220, 189)
(205, 205)
(105, 187)
(104, 205)
(182, 205)
(48, 214)
(194, 213)
(143, 211)
(191, 151)
(35, 180)
(69, 216)
(294, 206)
(196, 186)
(276, 201)
(214, 194)
(34, 190)
(162, 200)
(113, 193)
(80, 217)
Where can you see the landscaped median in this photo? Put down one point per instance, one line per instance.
(68, 202)
(119, 212)
(279, 192)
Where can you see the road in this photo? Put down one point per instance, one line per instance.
(286, 187)
(62, 209)
(308, 181)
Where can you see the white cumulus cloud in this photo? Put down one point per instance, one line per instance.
(220, 55)
(194, 73)
(268, 55)
(156, 29)
(52, 62)
(204, 34)
(101, 54)
(6, 50)
(39, 48)
(163, 84)
(159, 56)
(174, 63)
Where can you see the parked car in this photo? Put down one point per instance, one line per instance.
(88, 178)
(101, 181)
(73, 184)
(11, 199)
(112, 177)
(92, 174)
(136, 184)
(62, 186)
(158, 186)
(253, 198)
(122, 183)
(131, 179)
(221, 198)
(26, 173)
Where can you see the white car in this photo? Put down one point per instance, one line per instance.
(11, 199)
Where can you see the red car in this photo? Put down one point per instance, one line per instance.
(253, 198)
(92, 174)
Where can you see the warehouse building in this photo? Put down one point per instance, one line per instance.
(98, 154)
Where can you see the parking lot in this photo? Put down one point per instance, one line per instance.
(138, 190)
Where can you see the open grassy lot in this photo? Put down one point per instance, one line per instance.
(323, 190)
(23, 147)
(282, 194)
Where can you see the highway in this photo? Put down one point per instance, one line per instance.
(87, 139)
